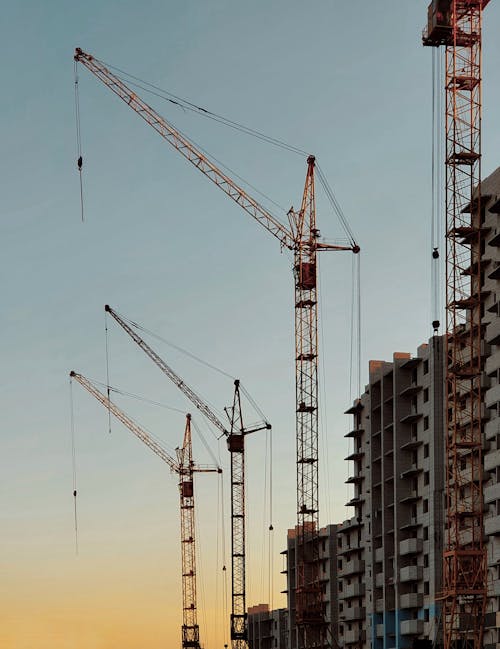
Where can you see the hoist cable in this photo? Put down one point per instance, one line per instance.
(233, 173)
(205, 152)
(263, 567)
(79, 161)
(140, 327)
(359, 321)
(205, 444)
(107, 367)
(335, 205)
(271, 526)
(353, 306)
(129, 394)
(224, 567)
(73, 462)
(436, 187)
(253, 403)
(322, 401)
(188, 105)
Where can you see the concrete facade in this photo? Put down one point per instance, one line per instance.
(327, 565)
(490, 280)
(390, 550)
(267, 629)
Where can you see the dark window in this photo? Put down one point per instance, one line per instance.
(426, 587)
(426, 478)
(426, 560)
(425, 505)
(426, 395)
(426, 533)
(426, 450)
(426, 367)
(426, 423)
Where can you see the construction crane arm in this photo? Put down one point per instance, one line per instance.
(126, 421)
(187, 149)
(166, 369)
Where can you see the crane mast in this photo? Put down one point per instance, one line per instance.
(185, 468)
(456, 25)
(303, 238)
(235, 434)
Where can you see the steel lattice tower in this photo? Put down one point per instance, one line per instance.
(310, 616)
(457, 25)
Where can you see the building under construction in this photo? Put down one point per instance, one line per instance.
(395, 539)
(399, 456)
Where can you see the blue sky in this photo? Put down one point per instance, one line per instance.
(349, 82)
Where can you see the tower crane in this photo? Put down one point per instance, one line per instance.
(235, 434)
(302, 237)
(456, 26)
(185, 468)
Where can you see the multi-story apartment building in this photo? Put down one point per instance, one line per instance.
(389, 552)
(388, 555)
(327, 568)
(267, 629)
(489, 254)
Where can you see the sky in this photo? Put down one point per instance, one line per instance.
(349, 82)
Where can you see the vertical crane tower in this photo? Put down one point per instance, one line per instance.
(185, 469)
(456, 26)
(302, 237)
(235, 435)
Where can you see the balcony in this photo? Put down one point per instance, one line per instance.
(379, 606)
(411, 418)
(413, 470)
(357, 455)
(412, 497)
(492, 493)
(353, 567)
(411, 573)
(492, 396)
(495, 272)
(411, 445)
(356, 432)
(410, 546)
(380, 630)
(355, 636)
(353, 590)
(353, 613)
(349, 524)
(492, 460)
(354, 479)
(411, 600)
(354, 502)
(492, 526)
(492, 364)
(379, 580)
(412, 627)
(379, 554)
(411, 390)
(492, 428)
(493, 332)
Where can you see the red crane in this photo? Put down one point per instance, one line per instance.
(303, 238)
(456, 26)
(185, 469)
(235, 434)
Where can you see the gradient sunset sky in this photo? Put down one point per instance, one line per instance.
(347, 81)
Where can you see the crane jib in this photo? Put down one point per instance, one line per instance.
(187, 149)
